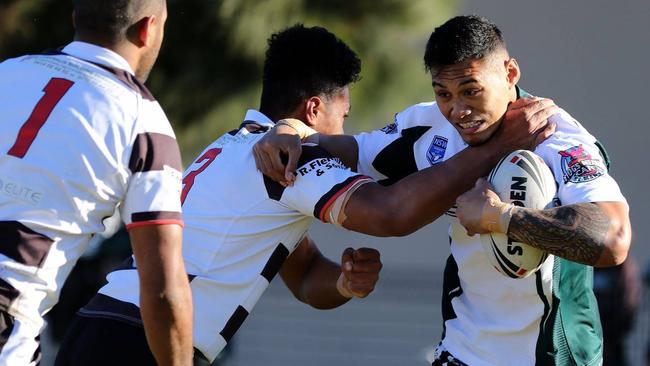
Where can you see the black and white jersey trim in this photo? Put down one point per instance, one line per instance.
(154, 151)
(23, 244)
(395, 168)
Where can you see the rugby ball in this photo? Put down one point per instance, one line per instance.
(523, 179)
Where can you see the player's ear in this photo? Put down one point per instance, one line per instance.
(313, 107)
(512, 71)
(143, 33)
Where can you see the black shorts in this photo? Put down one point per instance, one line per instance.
(98, 341)
(108, 342)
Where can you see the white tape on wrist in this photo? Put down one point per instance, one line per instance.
(342, 288)
(496, 216)
(303, 130)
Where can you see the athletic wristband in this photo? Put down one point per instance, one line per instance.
(343, 290)
(303, 130)
(497, 215)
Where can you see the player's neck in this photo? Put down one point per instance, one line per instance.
(275, 117)
(128, 52)
(512, 94)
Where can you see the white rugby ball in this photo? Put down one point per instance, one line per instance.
(523, 179)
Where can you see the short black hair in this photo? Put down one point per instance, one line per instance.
(462, 38)
(109, 20)
(302, 62)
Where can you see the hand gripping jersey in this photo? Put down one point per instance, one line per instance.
(240, 226)
(79, 136)
(490, 319)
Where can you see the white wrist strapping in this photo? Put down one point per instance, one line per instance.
(303, 130)
(342, 288)
(497, 215)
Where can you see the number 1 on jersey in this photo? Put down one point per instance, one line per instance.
(188, 181)
(54, 91)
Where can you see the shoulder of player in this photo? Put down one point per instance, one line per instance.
(12, 62)
(152, 118)
(153, 138)
(421, 114)
(571, 142)
(315, 158)
(568, 132)
(312, 152)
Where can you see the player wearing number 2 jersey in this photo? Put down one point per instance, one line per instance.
(242, 227)
(80, 137)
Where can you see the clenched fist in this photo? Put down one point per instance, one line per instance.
(359, 272)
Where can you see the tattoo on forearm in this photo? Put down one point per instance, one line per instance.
(575, 232)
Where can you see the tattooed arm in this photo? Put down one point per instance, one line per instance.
(597, 233)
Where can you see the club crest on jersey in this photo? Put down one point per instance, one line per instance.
(578, 165)
(437, 149)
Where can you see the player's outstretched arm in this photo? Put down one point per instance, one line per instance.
(323, 284)
(286, 137)
(165, 298)
(593, 233)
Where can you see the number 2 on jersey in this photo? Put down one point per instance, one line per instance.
(188, 181)
(54, 91)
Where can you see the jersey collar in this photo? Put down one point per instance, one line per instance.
(521, 93)
(258, 118)
(96, 54)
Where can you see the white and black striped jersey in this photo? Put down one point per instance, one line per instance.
(240, 226)
(491, 319)
(80, 137)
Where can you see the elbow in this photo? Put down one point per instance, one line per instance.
(172, 300)
(323, 306)
(401, 229)
(616, 249)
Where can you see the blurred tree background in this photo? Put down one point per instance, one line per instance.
(209, 69)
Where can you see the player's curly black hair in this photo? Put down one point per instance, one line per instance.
(110, 20)
(302, 62)
(462, 38)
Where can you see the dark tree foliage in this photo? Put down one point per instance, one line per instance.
(209, 69)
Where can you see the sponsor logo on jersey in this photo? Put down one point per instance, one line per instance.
(320, 166)
(578, 166)
(20, 191)
(390, 129)
(437, 149)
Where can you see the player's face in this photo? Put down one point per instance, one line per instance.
(475, 94)
(334, 110)
(151, 54)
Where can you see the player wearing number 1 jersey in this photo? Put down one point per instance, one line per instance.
(242, 227)
(80, 136)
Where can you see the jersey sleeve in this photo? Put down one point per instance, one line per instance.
(372, 143)
(321, 179)
(579, 165)
(154, 187)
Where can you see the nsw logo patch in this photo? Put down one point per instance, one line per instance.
(578, 165)
(437, 149)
